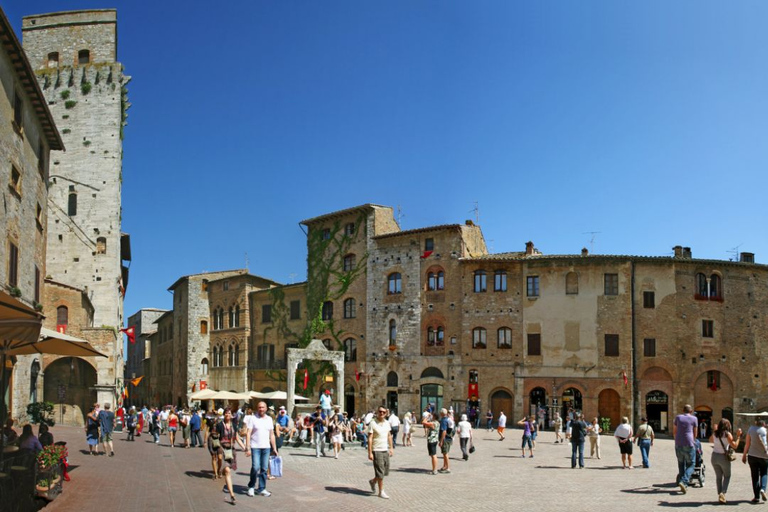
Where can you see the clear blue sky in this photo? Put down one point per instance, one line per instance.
(643, 121)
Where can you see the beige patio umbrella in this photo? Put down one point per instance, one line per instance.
(228, 395)
(203, 394)
(57, 343)
(276, 395)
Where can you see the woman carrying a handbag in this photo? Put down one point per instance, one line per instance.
(722, 454)
(227, 456)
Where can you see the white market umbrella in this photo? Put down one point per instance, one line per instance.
(203, 394)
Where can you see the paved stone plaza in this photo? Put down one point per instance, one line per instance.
(143, 476)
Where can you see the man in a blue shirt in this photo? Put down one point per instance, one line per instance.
(107, 424)
(319, 421)
(281, 427)
(194, 427)
(446, 439)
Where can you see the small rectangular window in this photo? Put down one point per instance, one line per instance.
(37, 284)
(649, 347)
(611, 284)
(225, 285)
(53, 60)
(41, 157)
(713, 380)
(326, 234)
(649, 300)
(612, 345)
(429, 244)
(295, 309)
(708, 328)
(18, 113)
(83, 57)
(532, 286)
(534, 344)
(13, 265)
(15, 184)
(266, 313)
(72, 204)
(349, 228)
(500, 281)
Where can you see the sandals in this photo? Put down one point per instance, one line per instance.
(231, 500)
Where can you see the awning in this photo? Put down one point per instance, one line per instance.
(56, 343)
(19, 323)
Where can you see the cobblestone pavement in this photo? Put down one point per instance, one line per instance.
(145, 476)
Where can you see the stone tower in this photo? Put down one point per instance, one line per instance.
(74, 55)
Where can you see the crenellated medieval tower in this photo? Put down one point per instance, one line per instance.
(75, 57)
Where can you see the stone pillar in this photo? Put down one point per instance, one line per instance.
(290, 401)
(339, 384)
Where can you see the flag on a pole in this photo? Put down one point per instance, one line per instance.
(131, 333)
(624, 376)
(135, 382)
(306, 378)
(357, 375)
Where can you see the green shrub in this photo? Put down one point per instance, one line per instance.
(65, 94)
(70, 104)
(41, 412)
(85, 87)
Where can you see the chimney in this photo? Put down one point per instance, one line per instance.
(584, 251)
(687, 253)
(747, 257)
(529, 249)
(678, 251)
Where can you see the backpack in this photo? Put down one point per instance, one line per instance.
(131, 421)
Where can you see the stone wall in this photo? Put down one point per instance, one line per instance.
(69, 32)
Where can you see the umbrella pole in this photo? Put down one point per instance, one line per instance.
(3, 407)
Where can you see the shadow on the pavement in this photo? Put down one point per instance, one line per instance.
(208, 475)
(684, 503)
(349, 490)
(649, 490)
(413, 470)
(303, 455)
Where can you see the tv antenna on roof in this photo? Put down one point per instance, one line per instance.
(735, 252)
(400, 216)
(246, 260)
(591, 239)
(476, 211)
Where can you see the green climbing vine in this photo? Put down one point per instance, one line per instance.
(327, 280)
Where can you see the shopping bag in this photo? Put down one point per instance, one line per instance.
(276, 466)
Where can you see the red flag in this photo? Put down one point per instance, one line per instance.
(713, 387)
(426, 254)
(357, 375)
(131, 333)
(306, 378)
(624, 376)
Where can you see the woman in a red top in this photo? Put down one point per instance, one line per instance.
(173, 426)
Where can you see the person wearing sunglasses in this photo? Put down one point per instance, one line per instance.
(380, 450)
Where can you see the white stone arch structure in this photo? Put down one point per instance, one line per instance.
(315, 351)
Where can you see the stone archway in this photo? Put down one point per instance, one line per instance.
(69, 383)
(315, 351)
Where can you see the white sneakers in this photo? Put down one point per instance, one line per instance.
(251, 492)
(383, 495)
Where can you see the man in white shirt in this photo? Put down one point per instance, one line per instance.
(261, 434)
(164, 420)
(380, 449)
(394, 422)
(502, 425)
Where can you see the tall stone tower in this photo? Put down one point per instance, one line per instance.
(74, 55)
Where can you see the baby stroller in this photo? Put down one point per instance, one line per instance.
(699, 468)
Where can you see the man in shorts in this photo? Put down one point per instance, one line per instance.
(380, 450)
(107, 425)
(446, 440)
(502, 425)
(557, 423)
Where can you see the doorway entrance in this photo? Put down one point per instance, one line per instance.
(501, 401)
(571, 400)
(432, 394)
(656, 410)
(609, 406)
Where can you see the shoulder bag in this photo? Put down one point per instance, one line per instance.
(728, 450)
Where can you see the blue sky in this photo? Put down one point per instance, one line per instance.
(643, 121)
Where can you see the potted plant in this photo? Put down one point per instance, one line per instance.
(51, 457)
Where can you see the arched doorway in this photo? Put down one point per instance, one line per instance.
(349, 399)
(704, 414)
(537, 398)
(571, 400)
(712, 393)
(69, 383)
(502, 401)
(431, 394)
(657, 410)
(609, 406)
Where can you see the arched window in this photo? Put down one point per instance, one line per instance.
(231, 317)
(237, 316)
(504, 335)
(203, 326)
(435, 336)
(715, 290)
(349, 308)
(204, 366)
(571, 283)
(84, 57)
(215, 356)
(701, 285)
(479, 338)
(350, 350)
(327, 310)
(62, 318)
(231, 358)
(221, 318)
(392, 333)
(481, 281)
(436, 281)
(432, 372)
(394, 283)
(72, 204)
(392, 380)
(237, 355)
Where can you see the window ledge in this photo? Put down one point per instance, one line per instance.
(532, 298)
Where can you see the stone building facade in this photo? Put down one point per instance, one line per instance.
(28, 134)
(137, 355)
(446, 322)
(72, 62)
